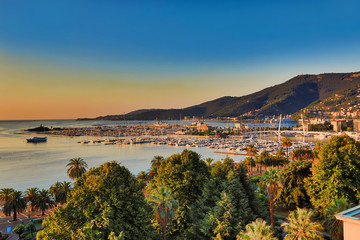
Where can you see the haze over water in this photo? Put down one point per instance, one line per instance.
(24, 165)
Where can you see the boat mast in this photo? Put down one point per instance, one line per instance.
(279, 132)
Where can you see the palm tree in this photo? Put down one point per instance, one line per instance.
(44, 201)
(16, 204)
(4, 197)
(259, 163)
(280, 157)
(59, 191)
(32, 195)
(209, 161)
(165, 206)
(66, 189)
(251, 151)
(76, 168)
(271, 181)
(300, 226)
(155, 164)
(266, 158)
(257, 230)
(333, 225)
(249, 162)
(286, 143)
(308, 153)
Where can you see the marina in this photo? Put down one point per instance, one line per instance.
(42, 164)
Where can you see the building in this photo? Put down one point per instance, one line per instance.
(338, 124)
(201, 127)
(356, 124)
(351, 223)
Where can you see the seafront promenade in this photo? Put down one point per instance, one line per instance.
(23, 218)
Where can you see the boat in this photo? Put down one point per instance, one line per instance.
(36, 139)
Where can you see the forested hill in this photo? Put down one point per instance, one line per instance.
(285, 98)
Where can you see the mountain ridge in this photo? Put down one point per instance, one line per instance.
(285, 98)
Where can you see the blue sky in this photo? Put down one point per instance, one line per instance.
(222, 44)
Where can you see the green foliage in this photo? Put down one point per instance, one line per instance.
(106, 200)
(286, 143)
(184, 174)
(19, 229)
(32, 195)
(30, 227)
(336, 174)
(257, 230)
(4, 199)
(302, 154)
(143, 178)
(251, 151)
(59, 191)
(212, 211)
(326, 126)
(300, 226)
(112, 236)
(209, 162)
(333, 225)
(44, 201)
(164, 206)
(293, 192)
(13, 202)
(271, 181)
(76, 168)
(220, 222)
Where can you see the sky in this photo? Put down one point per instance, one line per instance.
(70, 58)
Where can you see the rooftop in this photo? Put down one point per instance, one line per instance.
(350, 214)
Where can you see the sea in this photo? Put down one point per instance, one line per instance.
(24, 165)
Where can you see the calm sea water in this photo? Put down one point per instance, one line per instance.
(24, 165)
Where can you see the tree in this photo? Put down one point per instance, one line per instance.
(30, 227)
(19, 229)
(32, 195)
(271, 180)
(333, 225)
(44, 201)
(257, 230)
(112, 236)
(286, 143)
(300, 226)
(76, 168)
(336, 174)
(280, 157)
(4, 198)
(220, 222)
(209, 161)
(155, 164)
(302, 154)
(251, 151)
(249, 162)
(16, 203)
(265, 158)
(231, 179)
(293, 191)
(142, 178)
(184, 174)
(106, 200)
(164, 206)
(260, 161)
(59, 191)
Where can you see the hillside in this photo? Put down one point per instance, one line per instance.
(286, 98)
(342, 103)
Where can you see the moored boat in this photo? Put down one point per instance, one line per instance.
(36, 139)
